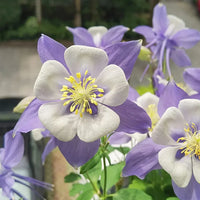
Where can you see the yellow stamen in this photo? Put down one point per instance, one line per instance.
(81, 94)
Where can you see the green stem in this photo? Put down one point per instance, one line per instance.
(105, 176)
(93, 185)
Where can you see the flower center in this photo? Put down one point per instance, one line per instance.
(191, 142)
(153, 114)
(82, 93)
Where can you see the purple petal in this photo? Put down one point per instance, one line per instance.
(133, 94)
(119, 138)
(192, 191)
(81, 36)
(6, 183)
(192, 78)
(113, 35)
(13, 149)
(146, 31)
(77, 152)
(160, 20)
(132, 118)
(48, 148)
(186, 38)
(49, 49)
(171, 96)
(142, 159)
(124, 54)
(29, 119)
(180, 58)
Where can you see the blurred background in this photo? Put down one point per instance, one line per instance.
(21, 24)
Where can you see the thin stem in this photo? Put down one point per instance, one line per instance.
(105, 176)
(93, 185)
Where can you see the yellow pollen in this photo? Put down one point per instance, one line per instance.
(153, 114)
(191, 143)
(81, 94)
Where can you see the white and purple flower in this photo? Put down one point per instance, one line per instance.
(178, 130)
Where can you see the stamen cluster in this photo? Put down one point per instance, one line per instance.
(192, 141)
(81, 94)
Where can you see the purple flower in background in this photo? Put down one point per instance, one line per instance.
(169, 37)
(178, 131)
(98, 36)
(10, 156)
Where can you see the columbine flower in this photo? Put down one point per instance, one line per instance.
(80, 95)
(132, 117)
(98, 36)
(169, 34)
(10, 156)
(178, 130)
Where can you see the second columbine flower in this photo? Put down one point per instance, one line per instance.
(78, 98)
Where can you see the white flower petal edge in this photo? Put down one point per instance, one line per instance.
(190, 109)
(147, 99)
(93, 127)
(179, 169)
(49, 81)
(196, 168)
(81, 58)
(172, 121)
(61, 124)
(116, 87)
(97, 33)
(177, 23)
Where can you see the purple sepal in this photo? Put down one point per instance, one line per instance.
(186, 38)
(13, 150)
(192, 78)
(29, 119)
(119, 138)
(48, 148)
(132, 118)
(160, 20)
(192, 191)
(180, 58)
(142, 159)
(124, 54)
(77, 152)
(49, 49)
(113, 35)
(132, 94)
(81, 36)
(170, 96)
(146, 31)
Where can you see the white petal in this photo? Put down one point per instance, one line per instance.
(178, 23)
(170, 123)
(196, 168)
(93, 127)
(49, 81)
(179, 169)
(190, 109)
(81, 58)
(113, 80)
(147, 99)
(61, 124)
(97, 33)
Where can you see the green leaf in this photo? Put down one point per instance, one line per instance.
(138, 184)
(87, 195)
(123, 150)
(113, 175)
(143, 89)
(172, 198)
(72, 177)
(131, 194)
(80, 188)
(91, 163)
